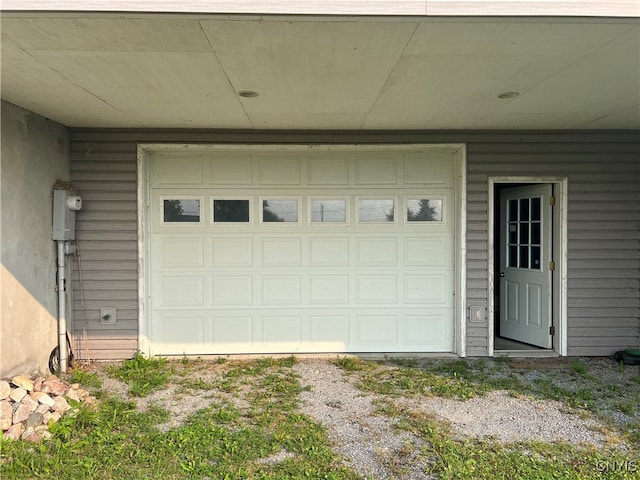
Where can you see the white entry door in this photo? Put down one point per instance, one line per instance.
(525, 264)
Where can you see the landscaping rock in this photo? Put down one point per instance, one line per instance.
(37, 384)
(34, 420)
(24, 382)
(43, 398)
(55, 386)
(60, 405)
(51, 417)
(6, 414)
(29, 405)
(5, 389)
(22, 413)
(15, 431)
(30, 402)
(17, 394)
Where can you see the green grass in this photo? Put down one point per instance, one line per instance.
(89, 380)
(222, 441)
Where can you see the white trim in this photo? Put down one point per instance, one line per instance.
(560, 248)
(461, 252)
(144, 343)
(576, 8)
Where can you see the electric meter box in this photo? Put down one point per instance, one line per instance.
(65, 205)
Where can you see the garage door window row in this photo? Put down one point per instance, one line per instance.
(186, 210)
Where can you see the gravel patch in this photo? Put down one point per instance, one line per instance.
(368, 441)
(179, 401)
(510, 419)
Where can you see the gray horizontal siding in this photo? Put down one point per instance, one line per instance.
(604, 223)
(603, 232)
(105, 174)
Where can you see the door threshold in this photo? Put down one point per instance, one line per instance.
(526, 353)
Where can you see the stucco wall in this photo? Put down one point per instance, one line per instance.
(35, 153)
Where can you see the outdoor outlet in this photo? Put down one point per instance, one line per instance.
(108, 316)
(476, 314)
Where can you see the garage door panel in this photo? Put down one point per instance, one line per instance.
(376, 251)
(179, 252)
(329, 289)
(328, 170)
(281, 332)
(330, 331)
(329, 251)
(281, 252)
(179, 170)
(425, 289)
(380, 289)
(232, 252)
(376, 169)
(232, 290)
(420, 251)
(437, 169)
(372, 329)
(229, 169)
(176, 328)
(310, 285)
(229, 332)
(174, 290)
(280, 169)
(281, 289)
(431, 330)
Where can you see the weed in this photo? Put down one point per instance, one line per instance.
(579, 368)
(352, 364)
(143, 375)
(85, 378)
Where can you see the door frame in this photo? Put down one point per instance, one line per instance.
(559, 240)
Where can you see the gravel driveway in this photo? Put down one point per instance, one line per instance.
(371, 443)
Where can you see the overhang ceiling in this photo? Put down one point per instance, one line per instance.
(352, 73)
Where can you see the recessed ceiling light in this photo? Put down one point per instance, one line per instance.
(247, 93)
(505, 95)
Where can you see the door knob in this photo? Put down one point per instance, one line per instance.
(502, 275)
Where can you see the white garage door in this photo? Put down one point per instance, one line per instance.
(300, 250)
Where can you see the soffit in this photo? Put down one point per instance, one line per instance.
(351, 73)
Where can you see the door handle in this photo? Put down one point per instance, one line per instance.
(502, 275)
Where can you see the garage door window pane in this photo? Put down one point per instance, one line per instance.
(181, 210)
(376, 210)
(424, 210)
(328, 211)
(280, 211)
(231, 211)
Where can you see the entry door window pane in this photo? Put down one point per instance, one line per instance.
(524, 233)
(524, 209)
(181, 210)
(280, 210)
(231, 211)
(535, 209)
(378, 210)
